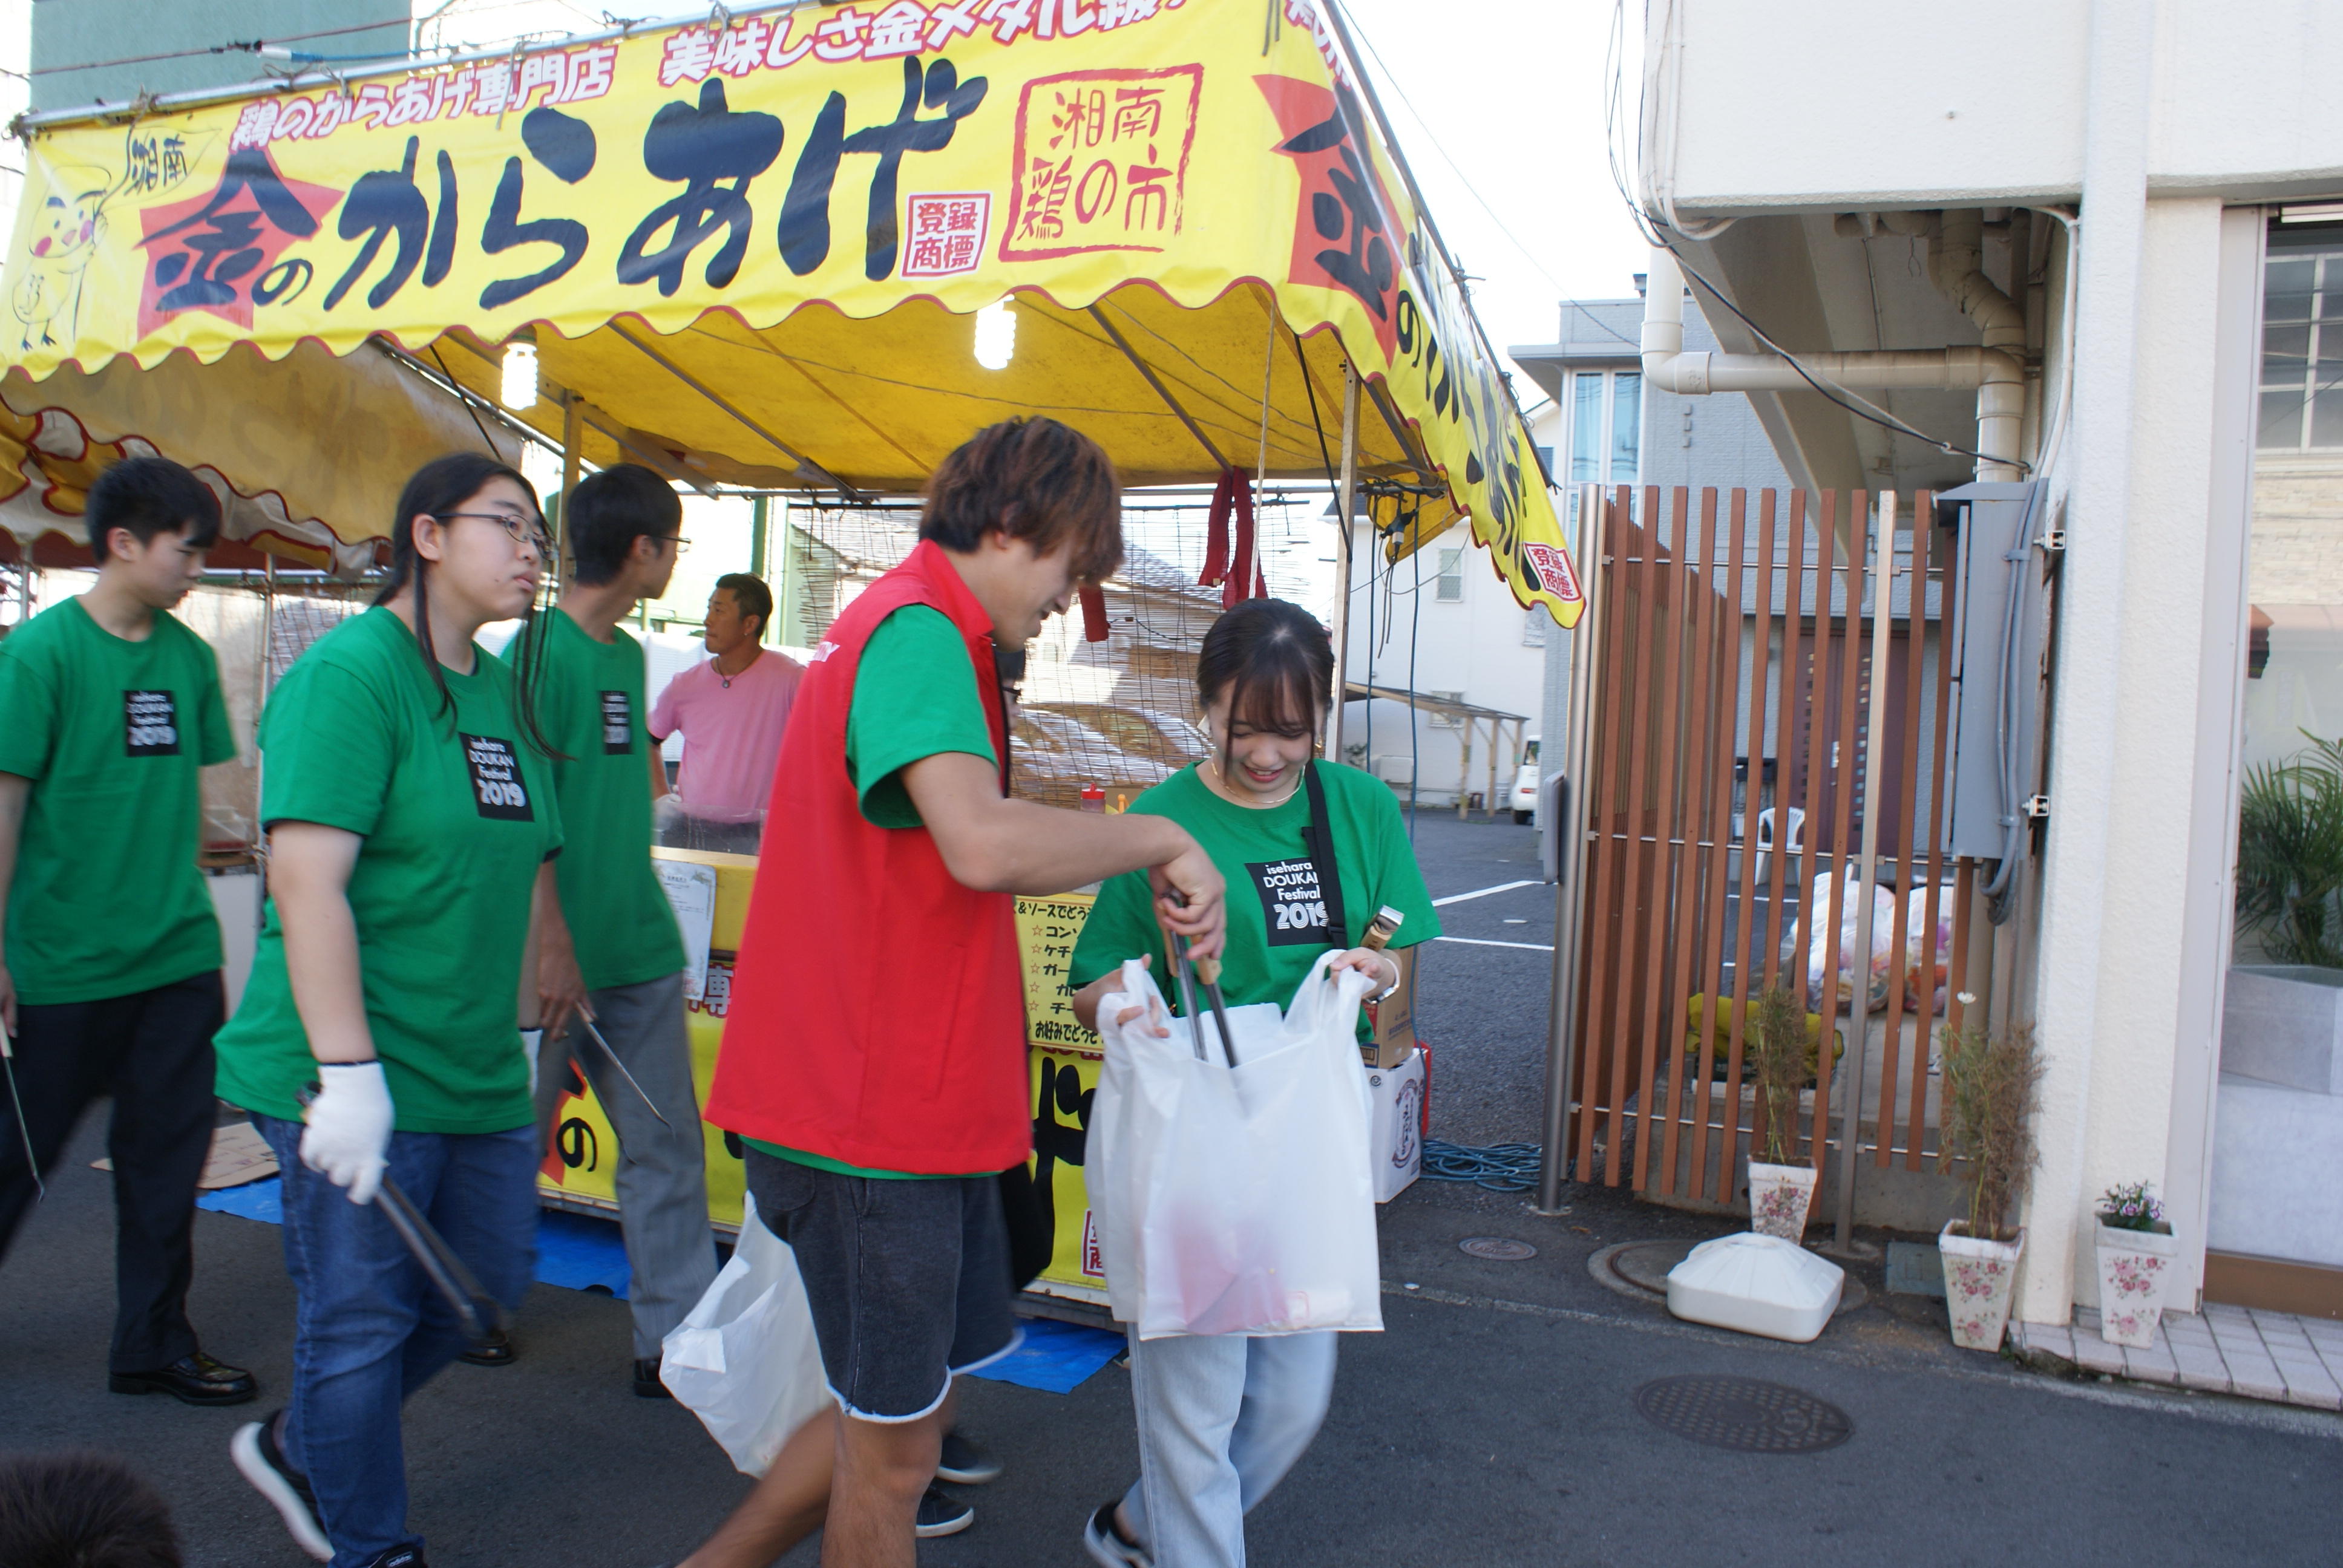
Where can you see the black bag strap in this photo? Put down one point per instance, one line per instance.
(1319, 836)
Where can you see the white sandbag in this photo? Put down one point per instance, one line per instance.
(745, 1360)
(1236, 1201)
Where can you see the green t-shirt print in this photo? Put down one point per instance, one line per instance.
(589, 703)
(455, 811)
(107, 899)
(1272, 940)
(915, 696)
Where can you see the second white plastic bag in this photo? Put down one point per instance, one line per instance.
(745, 1360)
(1236, 1201)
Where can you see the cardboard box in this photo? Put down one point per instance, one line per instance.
(1391, 1022)
(1395, 1125)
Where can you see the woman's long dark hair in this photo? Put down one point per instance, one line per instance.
(1273, 662)
(442, 485)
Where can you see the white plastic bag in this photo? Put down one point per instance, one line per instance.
(744, 1360)
(1237, 1202)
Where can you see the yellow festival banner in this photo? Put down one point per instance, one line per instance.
(852, 158)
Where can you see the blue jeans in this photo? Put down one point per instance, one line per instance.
(369, 1329)
(1222, 1419)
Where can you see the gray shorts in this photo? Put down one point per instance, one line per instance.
(908, 1279)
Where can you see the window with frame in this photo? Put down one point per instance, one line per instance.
(1450, 585)
(2302, 351)
(1604, 431)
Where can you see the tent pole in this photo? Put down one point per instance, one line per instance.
(571, 433)
(1345, 500)
(1162, 391)
(1850, 1137)
(807, 466)
(1576, 809)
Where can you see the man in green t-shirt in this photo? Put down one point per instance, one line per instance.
(614, 938)
(109, 950)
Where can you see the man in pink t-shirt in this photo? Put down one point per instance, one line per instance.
(731, 711)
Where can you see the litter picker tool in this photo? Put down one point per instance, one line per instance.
(1206, 972)
(612, 1057)
(480, 1314)
(31, 1160)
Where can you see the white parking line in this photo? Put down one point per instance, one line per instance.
(1484, 942)
(1484, 892)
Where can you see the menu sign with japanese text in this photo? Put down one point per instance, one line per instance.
(853, 157)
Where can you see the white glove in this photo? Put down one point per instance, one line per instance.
(348, 1128)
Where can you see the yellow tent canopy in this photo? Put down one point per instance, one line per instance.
(759, 249)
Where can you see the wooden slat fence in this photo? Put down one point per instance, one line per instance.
(1737, 647)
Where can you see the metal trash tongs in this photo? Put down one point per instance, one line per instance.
(480, 1314)
(1191, 973)
(612, 1057)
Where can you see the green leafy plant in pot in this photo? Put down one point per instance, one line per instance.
(1993, 1086)
(2137, 1254)
(2290, 856)
(1781, 1063)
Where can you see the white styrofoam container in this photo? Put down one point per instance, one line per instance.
(1395, 1124)
(1757, 1285)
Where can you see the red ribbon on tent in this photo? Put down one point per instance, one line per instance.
(1238, 575)
(1094, 627)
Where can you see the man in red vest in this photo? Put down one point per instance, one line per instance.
(874, 1054)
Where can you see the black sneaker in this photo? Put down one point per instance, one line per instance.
(263, 1463)
(1109, 1547)
(647, 1380)
(496, 1351)
(399, 1557)
(941, 1515)
(966, 1462)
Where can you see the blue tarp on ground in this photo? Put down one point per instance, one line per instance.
(579, 1253)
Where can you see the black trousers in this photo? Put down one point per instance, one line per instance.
(151, 1051)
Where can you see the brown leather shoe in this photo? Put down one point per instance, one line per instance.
(191, 1380)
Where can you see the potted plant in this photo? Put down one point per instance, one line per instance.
(2136, 1249)
(1992, 1083)
(1780, 1192)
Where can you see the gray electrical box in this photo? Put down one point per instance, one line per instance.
(1999, 628)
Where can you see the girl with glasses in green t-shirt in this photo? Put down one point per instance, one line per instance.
(411, 821)
(1322, 848)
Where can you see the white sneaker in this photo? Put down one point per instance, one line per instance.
(254, 1449)
(1103, 1539)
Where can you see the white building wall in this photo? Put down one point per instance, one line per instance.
(1984, 104)
(1474, 646)
(2151, 119)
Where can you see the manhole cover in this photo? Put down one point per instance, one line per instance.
(1500, 1248)
(1743, 1415)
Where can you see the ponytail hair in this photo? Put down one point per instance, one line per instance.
(442, 485)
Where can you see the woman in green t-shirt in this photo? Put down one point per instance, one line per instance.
(1222, 1418)
(411, 827)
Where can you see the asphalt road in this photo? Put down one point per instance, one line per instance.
(1493, 1424)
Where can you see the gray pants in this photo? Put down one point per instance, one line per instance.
(661, 1180)
(1222, 1419)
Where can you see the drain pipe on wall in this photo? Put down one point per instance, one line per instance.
(1995, 368)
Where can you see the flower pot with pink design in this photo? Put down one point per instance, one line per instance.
(1979, 1274)
(1992, 1086)
(1779, 1197)
(1780, 1192)
(2138, 1255)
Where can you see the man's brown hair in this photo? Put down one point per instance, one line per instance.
(1035, 480)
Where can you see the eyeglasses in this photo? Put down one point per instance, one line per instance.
(677, 541)
(519, 530)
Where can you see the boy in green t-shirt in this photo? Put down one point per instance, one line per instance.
(613, 943)
(109, 950)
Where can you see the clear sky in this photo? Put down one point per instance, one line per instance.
(1511, 90)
